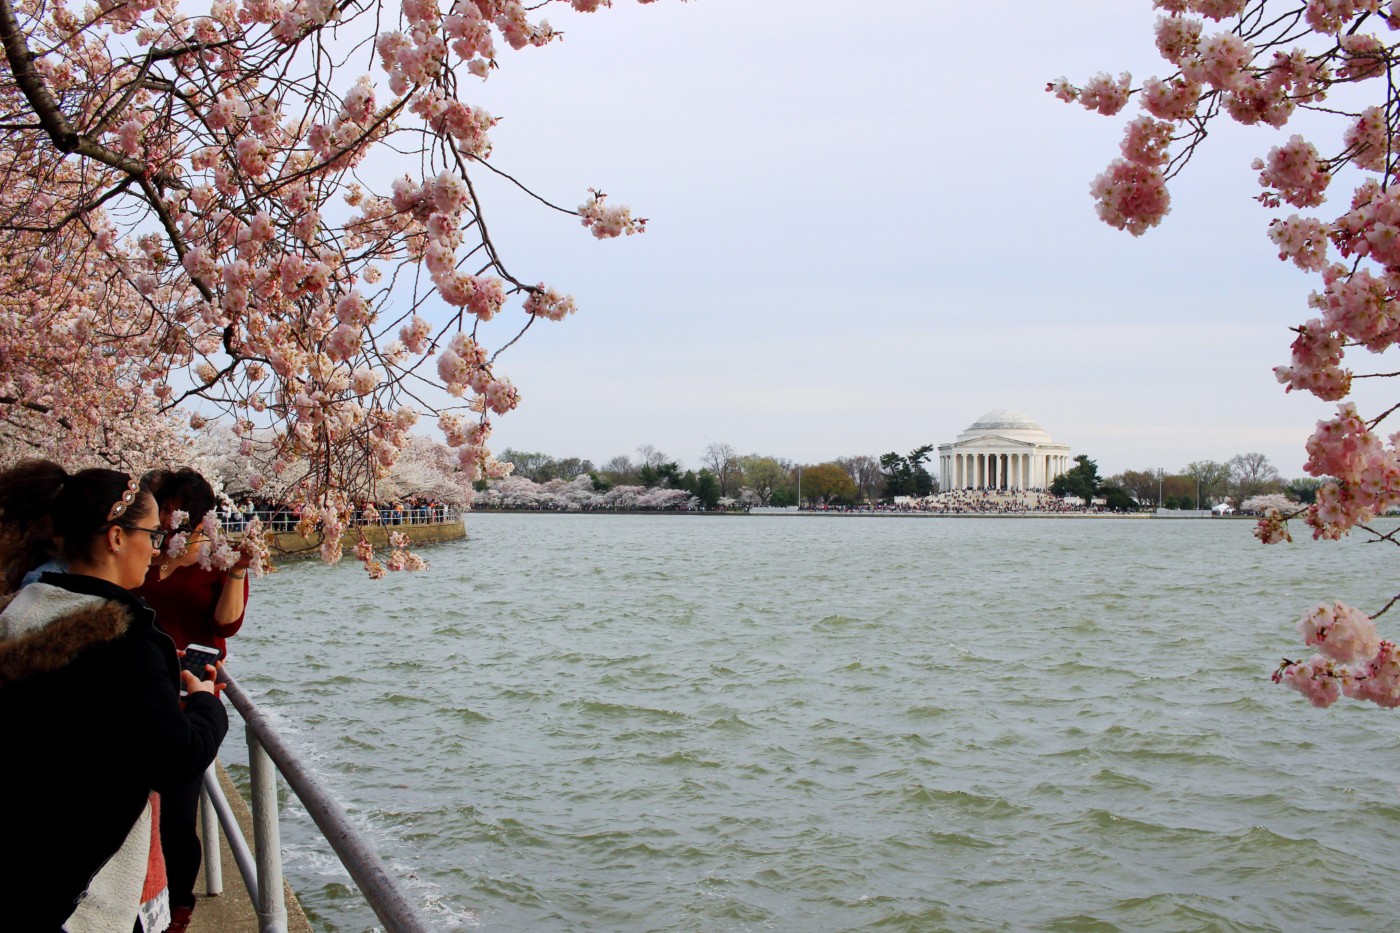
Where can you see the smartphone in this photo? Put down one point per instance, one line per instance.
(196, 656)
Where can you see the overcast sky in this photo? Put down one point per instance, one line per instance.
(869, 225)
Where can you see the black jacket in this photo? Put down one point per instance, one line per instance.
(90, 723)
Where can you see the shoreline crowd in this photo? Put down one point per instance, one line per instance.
(976, 501)
(279, 517)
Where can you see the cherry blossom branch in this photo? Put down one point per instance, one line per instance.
(1386, 608)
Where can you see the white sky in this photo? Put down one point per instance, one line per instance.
(870, 224)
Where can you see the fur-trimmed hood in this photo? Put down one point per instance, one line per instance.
(44, 627)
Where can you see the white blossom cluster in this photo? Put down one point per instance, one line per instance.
(578, 495)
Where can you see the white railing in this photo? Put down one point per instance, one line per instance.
(262, 868)
(277, 520)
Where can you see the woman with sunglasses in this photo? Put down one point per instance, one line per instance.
(194, 605)
(91, 719)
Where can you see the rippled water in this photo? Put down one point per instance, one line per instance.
(714, 723)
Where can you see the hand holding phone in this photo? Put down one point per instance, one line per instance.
(196, 658)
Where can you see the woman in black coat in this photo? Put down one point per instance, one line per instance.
(91, 720)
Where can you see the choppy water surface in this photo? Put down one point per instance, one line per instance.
(687, 723)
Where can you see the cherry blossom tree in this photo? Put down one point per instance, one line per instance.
(262, 211)
(1260, 504)
(427, 468)
(580, 495)
(1265, 62)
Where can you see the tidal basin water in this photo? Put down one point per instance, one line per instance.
(694, 723)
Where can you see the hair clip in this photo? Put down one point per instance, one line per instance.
(122, 504)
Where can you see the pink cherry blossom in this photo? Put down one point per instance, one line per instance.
(1340, 632)
(1145, 141)
(1174, 99)
(1378, 679)
(547, 303)
(1296, 173)
(1303, 240)
(1219, 9)
(1177, 37)
(1316, 679)
(1131, 196)
(1104, 94)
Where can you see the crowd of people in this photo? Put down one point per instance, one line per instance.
(969, 501)
(277, 517)
(415, 510)
(106, 736)
(998, 501)
(863, 507)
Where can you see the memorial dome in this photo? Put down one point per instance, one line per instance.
(1005, 450)
(1006, 422)
(1005, 419)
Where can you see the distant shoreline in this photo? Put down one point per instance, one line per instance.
(1112, 516)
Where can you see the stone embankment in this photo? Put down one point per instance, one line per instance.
(288, 545)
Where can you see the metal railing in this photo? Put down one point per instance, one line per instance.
(287, 520)
(262, 868)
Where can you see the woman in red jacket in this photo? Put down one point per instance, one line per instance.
(198, 606)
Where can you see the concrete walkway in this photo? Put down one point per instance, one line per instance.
(232, 911)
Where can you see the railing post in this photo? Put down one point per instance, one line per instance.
(396, 911)
(267, 839)
(209, 831)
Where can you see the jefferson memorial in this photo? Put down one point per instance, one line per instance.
(1003, 449)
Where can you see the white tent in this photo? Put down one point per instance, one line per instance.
(1224, 508)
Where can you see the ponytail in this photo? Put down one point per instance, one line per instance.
(45, 511)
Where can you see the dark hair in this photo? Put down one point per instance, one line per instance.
(182, 489)
(45, 510)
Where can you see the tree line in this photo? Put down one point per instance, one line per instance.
(1204, 483)
(768, 480)
(751, 479)
(1200, 484)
